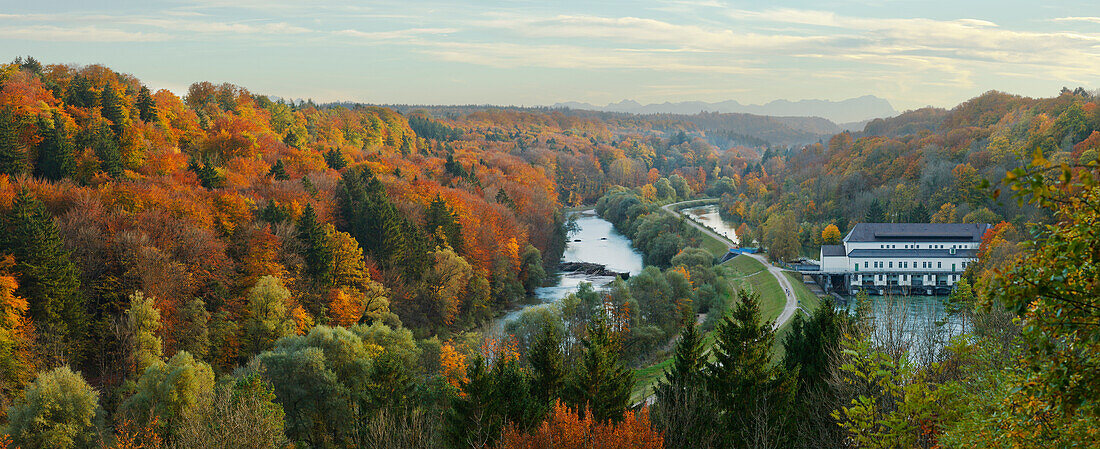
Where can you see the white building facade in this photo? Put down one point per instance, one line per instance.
(907, 258)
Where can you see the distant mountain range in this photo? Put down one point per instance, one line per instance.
(843, 112)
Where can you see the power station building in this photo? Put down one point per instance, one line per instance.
(905, 258)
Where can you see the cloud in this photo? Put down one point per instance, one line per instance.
(395, 34)
(79, 34)
(197, 26)
(511, 55)
(1077, 19)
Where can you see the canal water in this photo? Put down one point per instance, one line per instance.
(921, 322)
(593, 240)
(708, 216)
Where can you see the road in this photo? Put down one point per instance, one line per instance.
(791, 306)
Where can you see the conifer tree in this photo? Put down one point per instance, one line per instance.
(753, 395)
(113, 110)
(106, 149)
(48, 280)
(80, 93)
(335, 159)
(442, 225)
(684, 410)
(316, 253)
(602, 384)
(55, 152)
(13, 154)
(547, 367)
(876, 214)
(147, 107)
(278, 171)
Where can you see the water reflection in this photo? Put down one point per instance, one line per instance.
(594, 240)
(708, 216)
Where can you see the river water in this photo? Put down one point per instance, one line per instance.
(922, 321)
(594, 240)
(708, 216)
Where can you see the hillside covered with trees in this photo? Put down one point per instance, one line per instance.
(225, 270)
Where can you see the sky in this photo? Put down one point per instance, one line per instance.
(912, 53)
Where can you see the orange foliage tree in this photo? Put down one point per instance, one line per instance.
(564, 429)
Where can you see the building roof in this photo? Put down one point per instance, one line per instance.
(832, 250)
(916, 253)
(916, 232)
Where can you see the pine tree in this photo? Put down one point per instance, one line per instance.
(80, 93)
(106, 149)
(602, 384)
(442, 225)
(316, 254)
(291, 139)
(48, 280)
(875, 213)
(278, 171)
(684, 410)
(384, 233)
(547, 367)
(13, 154)
(208, 175)
(147, 107)
(753, 395)
(919, 214)
(55, 152)
(335, 159)
(113, 110)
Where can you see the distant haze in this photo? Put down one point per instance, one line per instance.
(841, 112)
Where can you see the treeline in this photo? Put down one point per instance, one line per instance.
(923, 166)
(658, 235)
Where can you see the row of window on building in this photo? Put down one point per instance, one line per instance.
(905, 264)
(916, 246)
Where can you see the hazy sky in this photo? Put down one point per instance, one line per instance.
(912, 53)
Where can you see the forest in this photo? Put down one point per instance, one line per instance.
(229, 269)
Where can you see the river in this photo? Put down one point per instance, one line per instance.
(708, 216)
(593, 240)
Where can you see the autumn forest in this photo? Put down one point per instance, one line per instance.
(225, 269)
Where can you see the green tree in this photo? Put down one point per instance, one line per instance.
(241, 413)
(267, 316)
(169, 391)
(442, 224)
(492, 398)
(55, 152)
(335, 159)
(80, 93)
(753, 394)
(601, 385)
(47, 278)
(278, 171)
(547, 366)
(13, 153)
(113, 110)
(147, 107)
(875, 213)
(58, 411)
(193, 333)
(143, 322)
(384, 233)
(531, 272)
(315, 252)
(684, 410)
(106, 149)
(330, 381)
